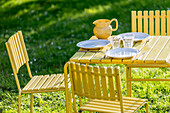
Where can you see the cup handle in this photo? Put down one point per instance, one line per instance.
(116, 24)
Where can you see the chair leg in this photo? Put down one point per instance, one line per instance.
(147, 109)
(19, 102)
(70, 103)
(31, 103)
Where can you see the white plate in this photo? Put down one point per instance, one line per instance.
(122, 53)
(138, 36)
(93, 44)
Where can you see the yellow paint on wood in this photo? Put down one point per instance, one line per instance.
(145, 21)
(90, 81)
(151, 23)
(133, 21)
(97, 81)
(168, 23)
(157, 23)
(156, 49)
(162, 23)
(111, 82)
(139, 21)
(84, 79)
(103, 81)
(79, 79)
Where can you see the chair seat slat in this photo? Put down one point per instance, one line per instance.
(58, 82)
(30, 83)
(63, 84)
(48, 82)
(51, 84)
(43, 80)
(34, 84)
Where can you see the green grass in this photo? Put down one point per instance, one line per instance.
(51, 30)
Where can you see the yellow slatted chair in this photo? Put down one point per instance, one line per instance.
(154, 23)
(98, 86)
(38, 84)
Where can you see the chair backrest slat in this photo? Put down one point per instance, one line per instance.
(168, 22)
(79, 80)
(84, 78)
(90, 82)
(162, 23)
(14, 51)
(133, 21)
(17, 50)
(155, 23)
(95, 82)
(103, 81)
(74, 77)
(111, 83)
(20, 49)
(146, 22)
(23, 45)
(151, 23)
(16, 44)
(139, 21)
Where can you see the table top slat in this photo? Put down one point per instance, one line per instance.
(100, 54)
(164, 55)
(86, 57)
(156, 50)
(146, 49)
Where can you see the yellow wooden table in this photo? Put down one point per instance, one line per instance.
(155, 52)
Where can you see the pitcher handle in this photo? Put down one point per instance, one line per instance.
(116, 24)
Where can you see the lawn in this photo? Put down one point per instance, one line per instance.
(51, 29)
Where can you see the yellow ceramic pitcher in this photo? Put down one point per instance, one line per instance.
(103, 29)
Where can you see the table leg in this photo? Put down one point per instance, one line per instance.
(128, 82)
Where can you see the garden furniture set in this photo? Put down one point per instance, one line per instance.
(100, 85)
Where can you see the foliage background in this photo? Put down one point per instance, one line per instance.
(51, 29)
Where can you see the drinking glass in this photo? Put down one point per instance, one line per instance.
(128, 41)
(115, 41)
